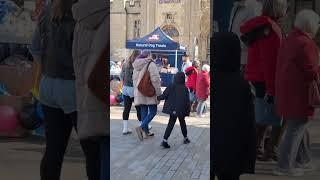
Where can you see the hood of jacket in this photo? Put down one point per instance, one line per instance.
(227, 52)
(190, 69)
(90, 13)
(255, 23)
(140, 63)
(179, 78)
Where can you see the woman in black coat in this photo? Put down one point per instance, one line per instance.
(233, 126)
(177, 105)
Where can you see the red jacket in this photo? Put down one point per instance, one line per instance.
(192, 74)
(263, 52)
(203, 85)
(297, 67)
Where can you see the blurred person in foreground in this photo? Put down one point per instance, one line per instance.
(90, 49)
(297, 68)
(233, 126)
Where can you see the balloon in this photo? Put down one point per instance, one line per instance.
(8, 119)
(113, 100)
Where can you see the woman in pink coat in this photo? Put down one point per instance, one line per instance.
(203, 89)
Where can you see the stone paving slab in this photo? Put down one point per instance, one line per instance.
(133, 159)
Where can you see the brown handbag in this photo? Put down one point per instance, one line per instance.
(145, 85)
(98, 79)
(314, 93)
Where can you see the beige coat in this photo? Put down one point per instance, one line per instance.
(140, 66)
(90, 37)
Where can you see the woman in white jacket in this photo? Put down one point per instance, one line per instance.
(148, 105)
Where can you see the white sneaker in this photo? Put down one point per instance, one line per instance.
(127, 131)
(290, 172)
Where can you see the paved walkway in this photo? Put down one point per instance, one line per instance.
(135, 160)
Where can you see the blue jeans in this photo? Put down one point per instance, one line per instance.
(148, 112)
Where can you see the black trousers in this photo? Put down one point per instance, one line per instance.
(172, 122)
(58, 127)
(228, 177)
(127, 107)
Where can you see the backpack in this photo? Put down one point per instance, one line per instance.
(145, 85)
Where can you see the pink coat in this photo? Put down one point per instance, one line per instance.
(203, 85)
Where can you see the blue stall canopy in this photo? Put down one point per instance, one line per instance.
(156, 40)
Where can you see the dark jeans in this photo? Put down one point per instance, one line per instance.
(58, 127)
(97, 152)
(172, 122)
(148, 112)
(228, 177)
(127, 107)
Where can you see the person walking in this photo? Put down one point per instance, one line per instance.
(127, 91)
(90, 53)
(203, 89)
(233, 125)
(177, 105)
(192, 74)
(144, 64)
(186, 62)
(241, 13)
(297, 67)
(263, 36)
(51, 46)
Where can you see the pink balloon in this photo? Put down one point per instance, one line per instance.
(113, 100)
(8, 119)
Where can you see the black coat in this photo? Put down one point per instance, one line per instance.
(233, 125)
(176, 97)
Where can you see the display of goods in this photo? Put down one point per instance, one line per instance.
(8, 119)
(113, 100)
(115, 86)
(16, 24)
(29, 119)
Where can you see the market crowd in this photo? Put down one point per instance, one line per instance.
(265, 90)
(186, 95)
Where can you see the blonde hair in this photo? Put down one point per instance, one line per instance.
(206, 68)
(308, 22)
(274, 8)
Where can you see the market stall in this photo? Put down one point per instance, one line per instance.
(169, 53)
(19, 110)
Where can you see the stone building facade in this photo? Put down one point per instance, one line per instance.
(186, 21)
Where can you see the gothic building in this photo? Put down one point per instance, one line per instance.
(186, 21)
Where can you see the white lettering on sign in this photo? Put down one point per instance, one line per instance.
(169, 1)
(151, 45)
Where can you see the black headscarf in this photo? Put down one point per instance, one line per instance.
(226, 52)
(179, 78)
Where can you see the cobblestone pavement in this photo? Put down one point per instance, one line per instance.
(135, 160)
